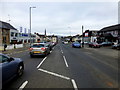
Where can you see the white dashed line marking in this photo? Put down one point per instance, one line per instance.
(50, 51)
(23, 85)
(53, 48)
(74, 84)
(41, 62)
(54, 74)
(65, 61)
(61, 51)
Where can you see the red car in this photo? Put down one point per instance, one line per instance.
(94, 44)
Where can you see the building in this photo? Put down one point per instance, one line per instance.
(76, 38)
(25, 38)
(40, 37)
(54, 38)
(6, 33)
(14, 37)
(10, 35)
(110, 33)
(90, 36)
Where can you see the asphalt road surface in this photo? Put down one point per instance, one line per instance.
(68, 68)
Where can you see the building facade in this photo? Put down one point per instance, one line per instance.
(110, 33)
(5, 31)
(90, 36)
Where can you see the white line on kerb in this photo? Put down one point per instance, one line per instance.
(65, 61)
(54, 74)
(23, 85)
(74, 84)
(41, 62)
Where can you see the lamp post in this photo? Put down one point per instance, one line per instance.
(30, 22)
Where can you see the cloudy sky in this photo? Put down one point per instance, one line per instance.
(60, 18)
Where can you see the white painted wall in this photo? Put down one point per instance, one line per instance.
(14, 31)
(12, 46)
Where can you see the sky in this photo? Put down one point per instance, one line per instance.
(60, 18)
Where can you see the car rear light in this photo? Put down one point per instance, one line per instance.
(43, 49)
(30, 49)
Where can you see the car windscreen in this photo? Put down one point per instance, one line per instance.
(95, 43)
(37, 46)
(76, 43)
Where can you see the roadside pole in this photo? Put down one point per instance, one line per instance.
(82, 37)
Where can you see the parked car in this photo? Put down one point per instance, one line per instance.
(11, 67)
(116, 46)
(76, 44)
(94, 44)
(106, 43)
(65, 42)
(39, 49)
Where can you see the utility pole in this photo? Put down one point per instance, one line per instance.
(45, 35)
(82, 37)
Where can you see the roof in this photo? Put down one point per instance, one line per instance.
(111, 28)
(5, 25)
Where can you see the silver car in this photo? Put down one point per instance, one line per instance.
(39, 49)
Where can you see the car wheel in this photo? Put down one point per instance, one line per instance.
(20, 70)
(118, 48)
(31, 56)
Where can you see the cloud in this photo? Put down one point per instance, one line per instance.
(57, 17)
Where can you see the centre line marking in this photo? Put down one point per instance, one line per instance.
(74, 84)
(23, 85)
(65, 61)
(41, 62)
(61, 51)
(54, 74)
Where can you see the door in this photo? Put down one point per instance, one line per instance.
(8, 68)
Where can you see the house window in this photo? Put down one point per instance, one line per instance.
(16, 34)
(12, 34)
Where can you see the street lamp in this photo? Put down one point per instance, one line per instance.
(30, 22)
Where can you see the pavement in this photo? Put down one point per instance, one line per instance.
(68, 68)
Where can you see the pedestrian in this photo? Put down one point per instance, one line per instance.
(5, 46)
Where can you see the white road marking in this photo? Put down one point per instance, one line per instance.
(41, 62)
(53, 48)
(65, 61)
(74, 84)
(61, 51)
(23, 85)
(88, 52)
(50, 51)
(54, 74)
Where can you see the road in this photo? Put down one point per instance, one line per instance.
(67, 67)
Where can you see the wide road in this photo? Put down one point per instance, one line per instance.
(68, 67)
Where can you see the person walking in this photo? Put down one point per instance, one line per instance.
(5, 46)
